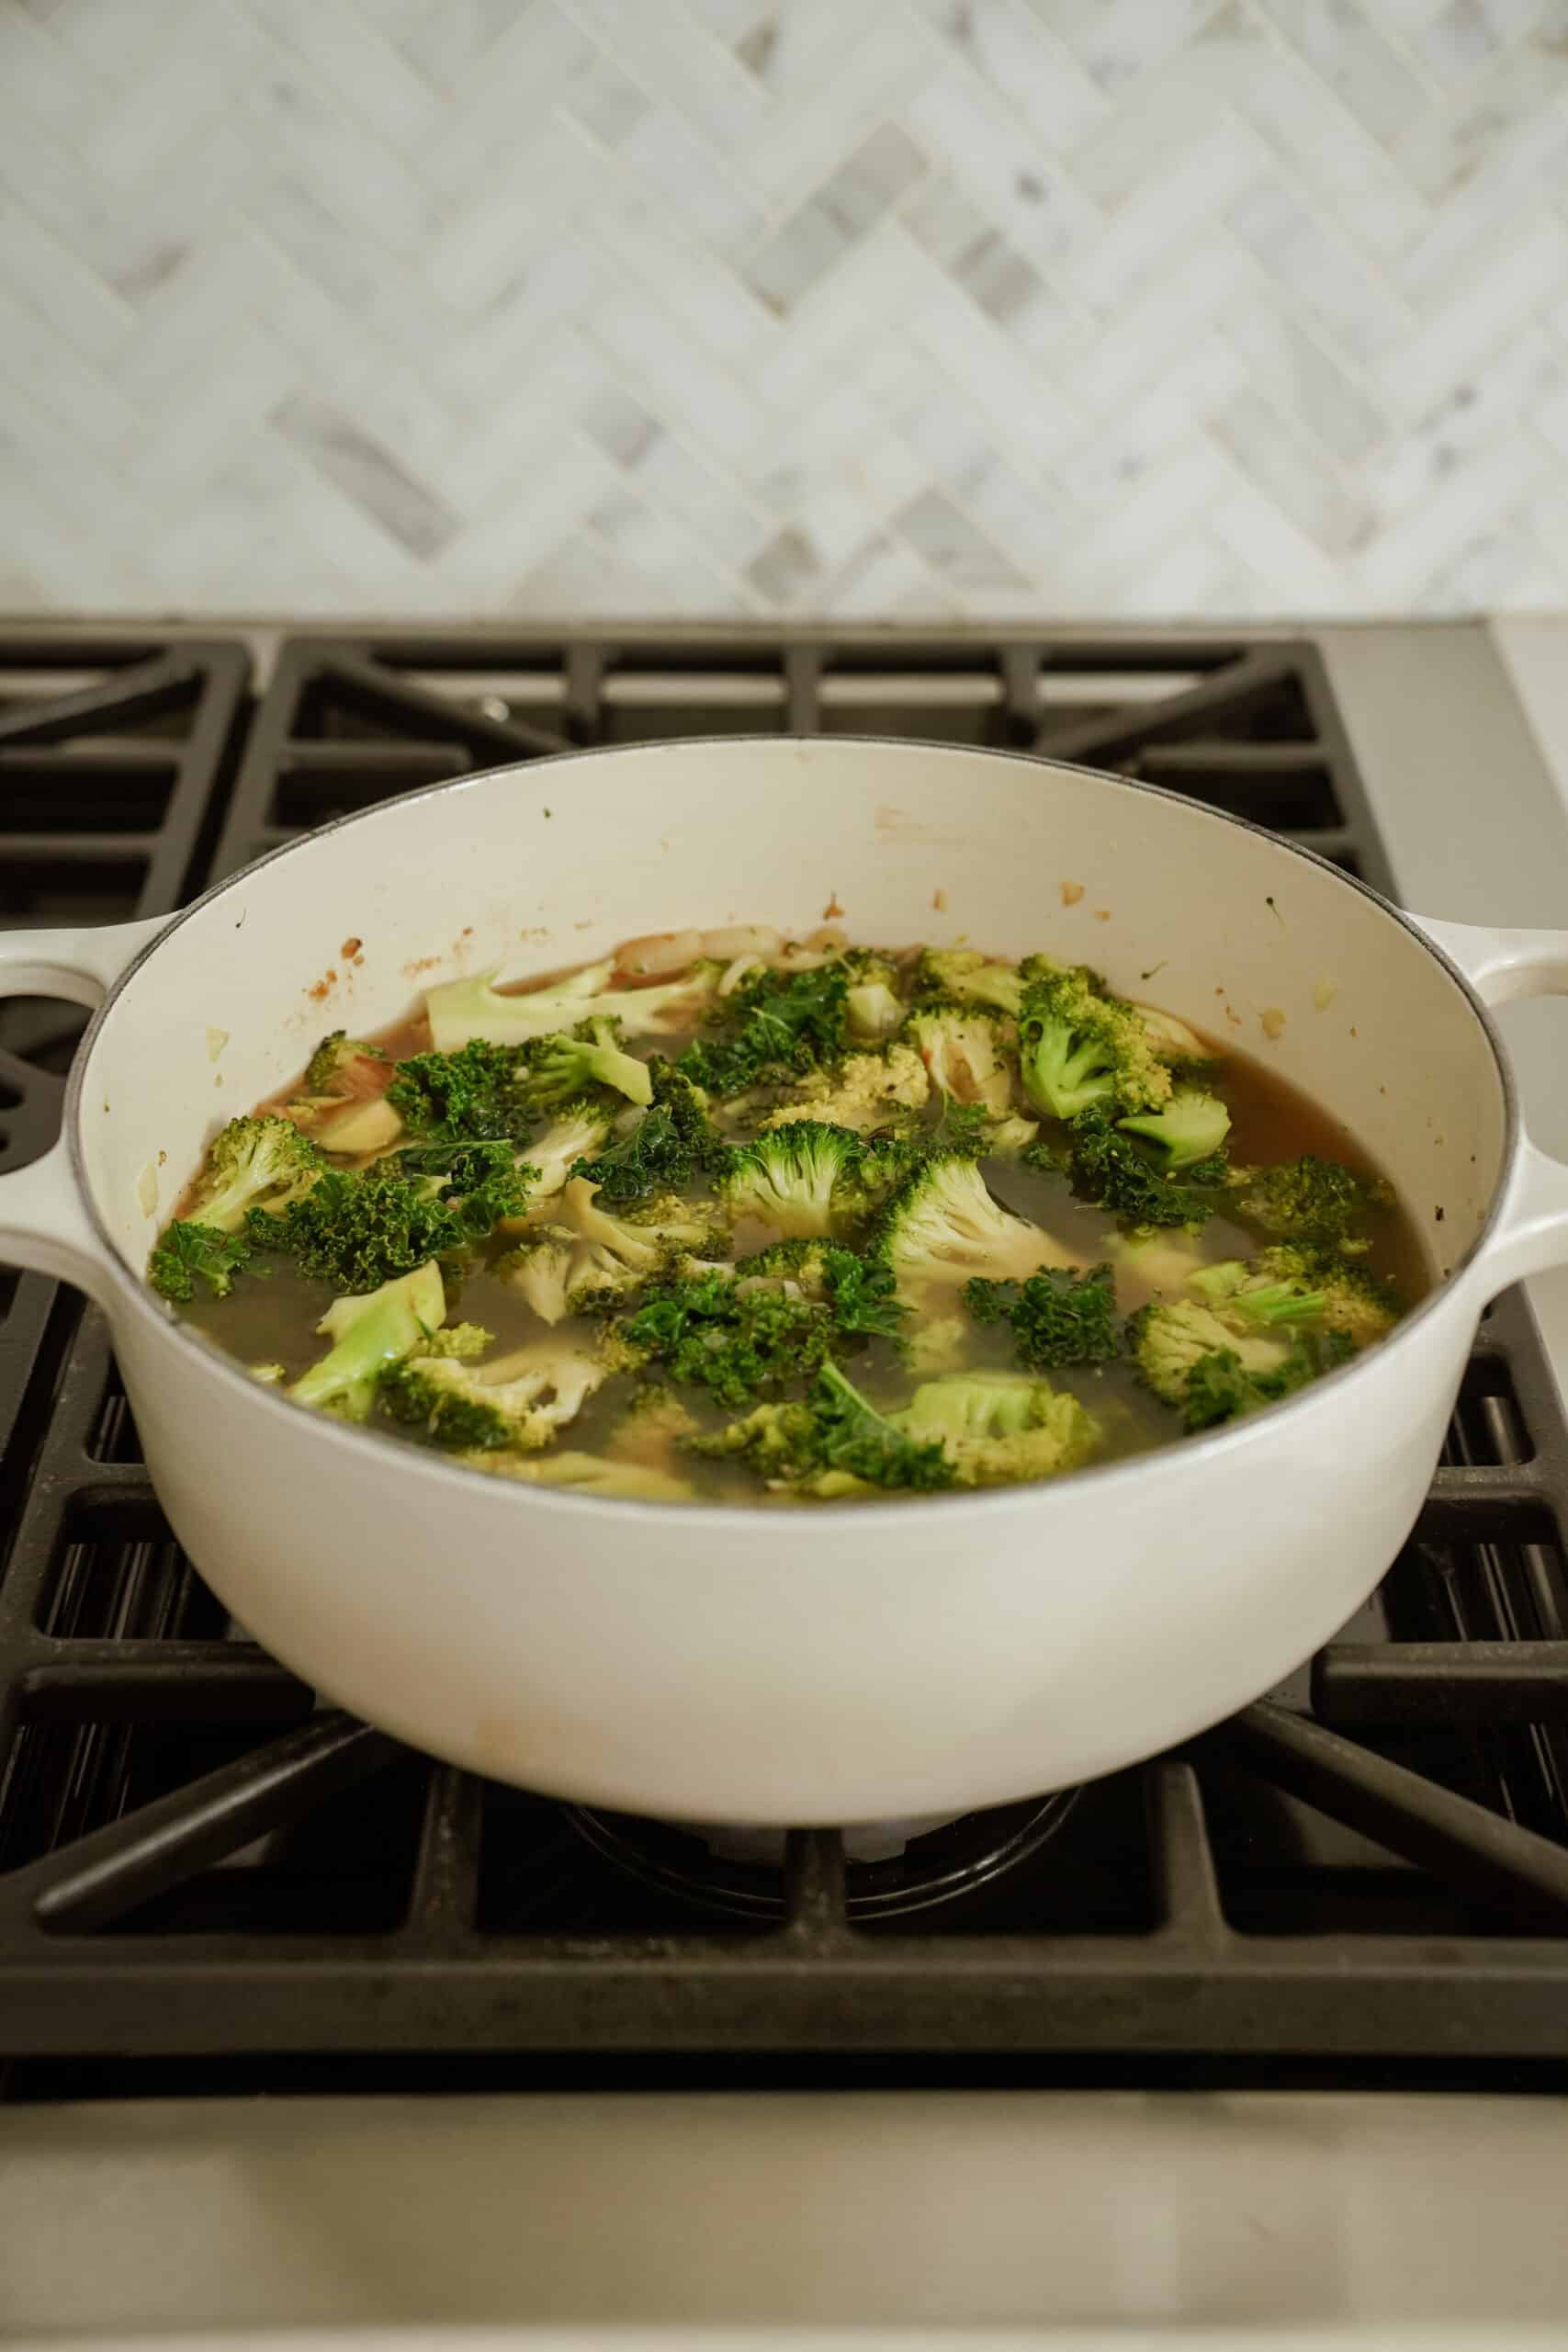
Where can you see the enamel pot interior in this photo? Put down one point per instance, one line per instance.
(524, 869)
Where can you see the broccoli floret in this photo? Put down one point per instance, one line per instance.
(560, 1066)
(964, 972)
(998, 1427)
(859, 1291)
(361, 1231)
(737, 1340)
(1056, 1317)
(614, 1254)
(461, 1339)
(774, 1024)
(461, 1009)
(571, 1141)
(867, 1091)
(960, 1126)
(1169, 1336)
(520, 1400)
(965, 1050)
(369, 1333)
(1308, 1199)
(474, 1095)
(1213, 1364)
(1172, 1039)
(539, 1270)
(1190, 1128)
(185, 1250)
(942, 1225)
(1109, 1169)
(338, 1066)
(253, 1163)
(789, 1176)
(872, 1009)
(670, 1145)
(1290, 1283)
(833, 1442)
(1078, 1048)
(591, 1474)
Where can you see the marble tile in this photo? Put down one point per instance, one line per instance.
(920, 308)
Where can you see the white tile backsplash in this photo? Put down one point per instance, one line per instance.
(1063, 308)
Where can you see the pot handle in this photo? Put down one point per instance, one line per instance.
(43, 1225)
(1532, 1232)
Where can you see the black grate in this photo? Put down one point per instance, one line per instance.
(200, 1866)
(114, 752)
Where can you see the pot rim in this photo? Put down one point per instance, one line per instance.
(993, 1502)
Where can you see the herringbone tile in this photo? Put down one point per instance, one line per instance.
(1062, 307)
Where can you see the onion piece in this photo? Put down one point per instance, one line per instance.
(755, 939)
(661, 954)
(733, 974)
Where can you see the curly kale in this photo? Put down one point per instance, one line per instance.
(833, 1442)
(357, 1232)
(1309, 1199)
(736, 1341)
(774, 1025)
(1220, 1388)
(1109, 1169)
(477, 1094)
(1056, 1317)
(672, 1144)
(188, 1250)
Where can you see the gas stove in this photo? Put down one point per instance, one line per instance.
(209, 1877)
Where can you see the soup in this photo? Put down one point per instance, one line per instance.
(734, 1219)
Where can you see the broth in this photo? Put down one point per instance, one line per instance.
(274, 1321)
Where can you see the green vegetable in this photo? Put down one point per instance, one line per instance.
(942, 1225)
(774, 1024)
(737, 1341)
(253, 1164)
(790, 1176)
(1308, 1199)
(964, 972)
(369, 1334)
(1192, 1126)
(185, 1250)
(334, 1059)
(474, 1095)
(561, 1067)
(1078, 1048)
(518, 1401)
(995, 1428)
(1057, 1318)
(1212, 1362)
(833, 1442)
(670, 1145)
(361, 1231)
(462, 1009)
(1108, 1168)
(966, 1049)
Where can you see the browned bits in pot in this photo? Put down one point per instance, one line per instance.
(1272, 1022)
(1071, 893)
(351, 947)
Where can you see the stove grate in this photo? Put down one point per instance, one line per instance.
(198, 1859)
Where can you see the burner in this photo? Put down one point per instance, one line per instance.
(942, 1868)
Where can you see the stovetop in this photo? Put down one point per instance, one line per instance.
(210, 1879)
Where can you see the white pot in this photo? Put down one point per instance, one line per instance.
(850, 1662)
